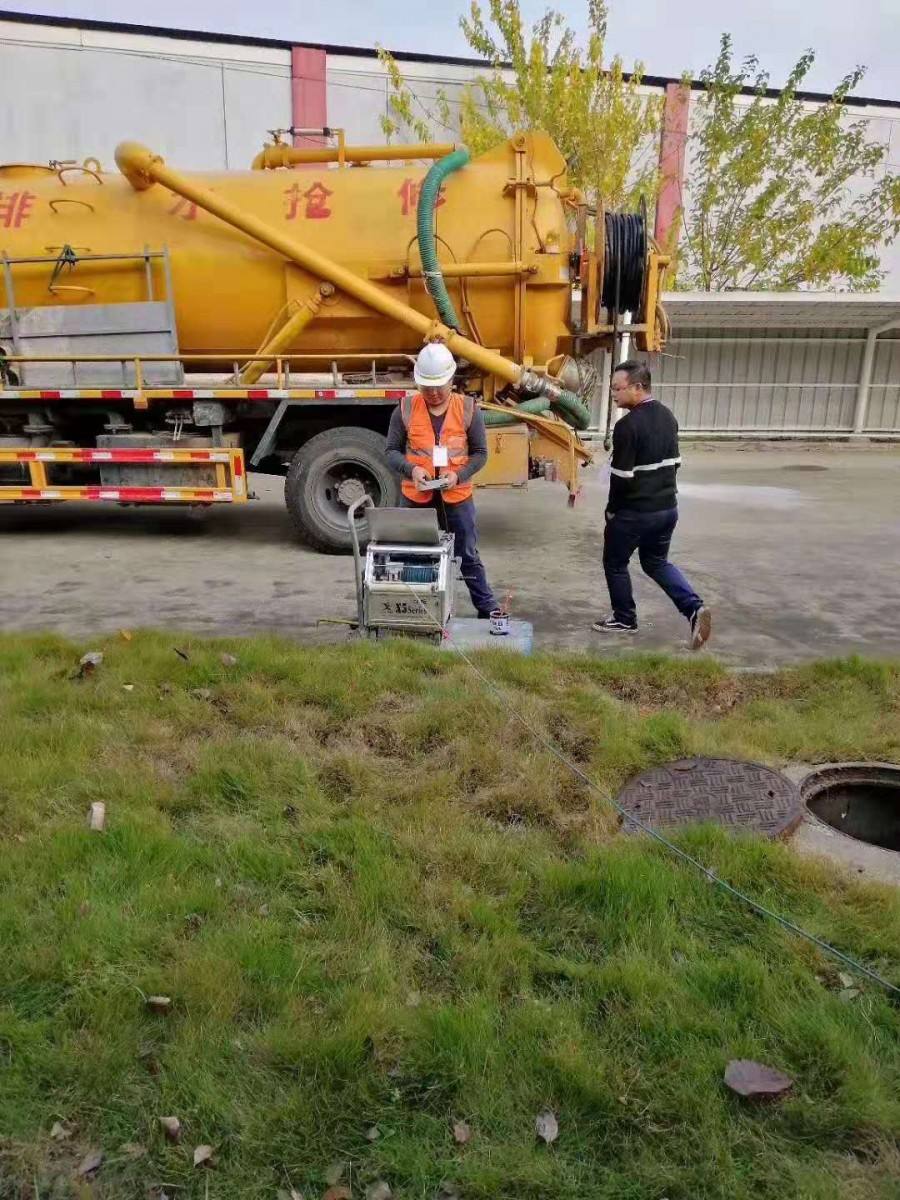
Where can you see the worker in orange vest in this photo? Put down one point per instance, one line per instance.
(438, 433)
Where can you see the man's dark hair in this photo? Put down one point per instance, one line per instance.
(637, 372)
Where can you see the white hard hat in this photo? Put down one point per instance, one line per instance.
(435, 365)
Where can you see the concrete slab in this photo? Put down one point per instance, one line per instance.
(796, 547)
(468, 633)
(815, 839)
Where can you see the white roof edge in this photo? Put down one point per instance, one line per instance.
(783, 299)
(771, 311)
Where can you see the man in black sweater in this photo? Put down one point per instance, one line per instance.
(642, 511)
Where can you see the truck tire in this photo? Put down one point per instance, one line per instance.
(332, 470)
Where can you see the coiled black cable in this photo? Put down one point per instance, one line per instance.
(624, 262)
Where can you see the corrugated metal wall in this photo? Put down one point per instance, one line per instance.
(884, 400)
(772, 381)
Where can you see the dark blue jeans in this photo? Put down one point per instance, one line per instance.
(650, 534)
(459, 519)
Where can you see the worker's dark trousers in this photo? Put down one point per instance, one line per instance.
(650, 534)
(459, 519)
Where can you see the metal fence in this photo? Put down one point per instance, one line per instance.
(777, 382)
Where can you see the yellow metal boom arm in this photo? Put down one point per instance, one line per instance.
(142, 169)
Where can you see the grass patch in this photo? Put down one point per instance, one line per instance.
(376, 903)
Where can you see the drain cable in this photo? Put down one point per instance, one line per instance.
(711, 877)
(625, 262)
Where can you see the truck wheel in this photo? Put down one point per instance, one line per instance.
(332, 470)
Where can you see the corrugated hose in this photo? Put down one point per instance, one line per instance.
(548, 393)
(431, 267)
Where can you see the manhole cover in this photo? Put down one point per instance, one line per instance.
(861, 800)
(739, 794)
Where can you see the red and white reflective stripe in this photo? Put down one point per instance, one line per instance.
(237, 476)
(215, 456)
(137, 455)
(230, 484)
(125, 495)
(163, 393)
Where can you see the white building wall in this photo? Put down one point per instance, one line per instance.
(71, 93)
(358, 95)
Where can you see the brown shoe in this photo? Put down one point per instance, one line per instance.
(701, 627)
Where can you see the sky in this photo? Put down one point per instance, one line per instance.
(668, 36)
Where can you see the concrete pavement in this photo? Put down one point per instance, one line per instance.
(796, 547)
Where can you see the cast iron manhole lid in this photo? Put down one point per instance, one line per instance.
(739, 795)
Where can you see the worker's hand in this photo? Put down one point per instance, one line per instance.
(452, 479)
(419, 476)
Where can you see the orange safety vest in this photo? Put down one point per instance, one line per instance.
(420, 444)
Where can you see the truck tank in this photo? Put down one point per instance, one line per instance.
(227, 287)
(161, 332)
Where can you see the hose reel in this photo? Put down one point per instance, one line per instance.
(623, 282)
(624, 261)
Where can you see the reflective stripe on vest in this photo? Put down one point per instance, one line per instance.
(420, 444)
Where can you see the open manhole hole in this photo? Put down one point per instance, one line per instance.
(740, 795)
(861, 800)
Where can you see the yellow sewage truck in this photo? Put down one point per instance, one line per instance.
(164, 332)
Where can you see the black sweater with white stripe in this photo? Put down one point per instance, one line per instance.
(644, 460)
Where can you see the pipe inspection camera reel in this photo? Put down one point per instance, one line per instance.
(405, 584)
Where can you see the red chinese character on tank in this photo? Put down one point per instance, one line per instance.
(15, 208)
(409, 193)
(315, 207)
(184, 208)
